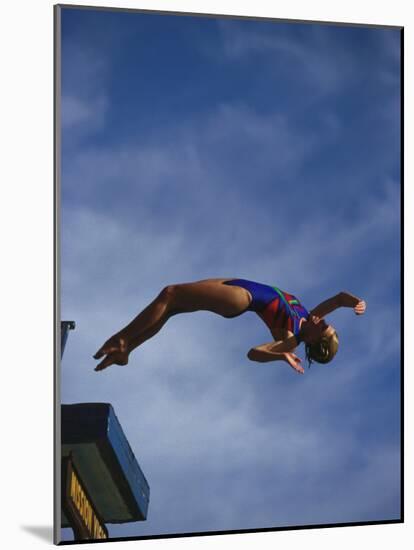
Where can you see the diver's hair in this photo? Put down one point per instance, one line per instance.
(323, 351)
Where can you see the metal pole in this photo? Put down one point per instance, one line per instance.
(65, 327)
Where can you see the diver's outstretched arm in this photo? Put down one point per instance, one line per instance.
(281, 350)
(343, 299)
(349, 300)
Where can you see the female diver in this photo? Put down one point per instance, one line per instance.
(288, 320)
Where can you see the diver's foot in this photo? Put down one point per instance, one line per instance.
(116, 358)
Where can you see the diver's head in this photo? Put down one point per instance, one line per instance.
(321, 340)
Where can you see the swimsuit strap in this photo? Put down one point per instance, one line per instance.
(293, 312)
(288, 303)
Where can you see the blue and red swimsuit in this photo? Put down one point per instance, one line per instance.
(278, 309)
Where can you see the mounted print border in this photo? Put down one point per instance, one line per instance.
(203, 163)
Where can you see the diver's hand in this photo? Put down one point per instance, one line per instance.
(360, 307)
(116, 351)
(294, 361)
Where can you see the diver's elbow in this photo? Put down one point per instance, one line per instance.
(253, 355)
(250, 355)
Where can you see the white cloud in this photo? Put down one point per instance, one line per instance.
(308, 53)
(76, 111)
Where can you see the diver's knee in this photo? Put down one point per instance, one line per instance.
(169, 294)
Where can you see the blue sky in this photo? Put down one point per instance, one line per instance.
(198, 147)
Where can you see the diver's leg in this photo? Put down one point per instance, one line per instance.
(136, 341)
(158, 311)
(209, 295)
(212, 295)
(118, 347)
